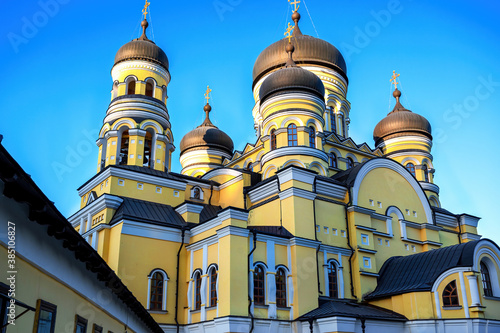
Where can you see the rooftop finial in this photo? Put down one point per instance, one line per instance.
(394, 79)
(288, 32)
(289, 47)
(207, 108)
(296, 17)
(145, 9)
(207, 94)
(396, 93)
(295, 4)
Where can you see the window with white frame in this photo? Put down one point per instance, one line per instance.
(213, 286)
(157, 290)
(259, 285)
(365, 239)
(281, 288)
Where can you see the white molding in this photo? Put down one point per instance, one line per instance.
(131, 175)
(211, 240)
(231, 182)
(447, 273)
(153, 231)
(264, 191)
(188, 207)
(297, 192)
(470, 236)
(298, 241)
(465, 302)
(104, 201)
(335, 250)
(430, 187)
(394, 166)
(232, 230)
(270, 238)
(230, 213)
(221, 172)
(212, 223)
(331, 190)
(294, 173)
(466, 219)
(446, 220)
(294, 150)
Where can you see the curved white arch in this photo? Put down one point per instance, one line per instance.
(104, 129)
(433, 197)
(447, 273)
(267, 129)
(428, 162)
(351, 155)
(316, 124)
(294, 162)
(395, 210)
(291, 119)
(323, 171)
(335, 151)
(267, 171)
(122, 122)
(492, 263)
(259, 156)
(193, 173)
(156, 126)
(410, 159)
(394, 166)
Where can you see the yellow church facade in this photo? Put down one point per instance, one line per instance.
(303, 230)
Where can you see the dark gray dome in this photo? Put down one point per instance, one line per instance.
(292, 79)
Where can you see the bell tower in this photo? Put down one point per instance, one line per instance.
(136, 130)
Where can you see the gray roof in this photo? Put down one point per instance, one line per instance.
(209, 212)
(352, 309)
(272, 230)
(150, 212)
(418, 272)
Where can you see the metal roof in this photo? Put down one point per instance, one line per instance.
(418, 272)
(349, 308)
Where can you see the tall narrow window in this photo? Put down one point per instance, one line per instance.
(156, 296)
(96, 329)
(450, 294)
(149, 88)
(312, 137)
(342, 125)
(131, 87)
(197, 291)
(333, 120)
(213, 287)
(123, 158)
(258, 286)
(332, 281)
(148, 146)
(80, 324)
(292, 135)
(273, 139)
(45, 317)
(411, 167)
(281, 288)
(332, 158)
(426, 173)
(485, 277)
(349, 163)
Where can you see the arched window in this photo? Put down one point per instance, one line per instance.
(213, 287)
(312, 137)
(333, 281)
(333, 120)
(157, 290)
(123, 156)
(149, 88)
(411, 167)
(332, 158)
(450, 294)
(148, 146)
(292, 135)
(486, 279)
(426, 173)
(249, 166)
(349, 163)
(273, 139)
(281, 288)
(197, 291)
(115, 90)
(259, 294)
(131, 86)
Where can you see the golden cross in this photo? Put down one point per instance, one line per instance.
(288, 32)
(295, 4)
(394, 79)
(207, 96)
(145, 9)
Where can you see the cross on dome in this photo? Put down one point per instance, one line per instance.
(145, 9)
(394, 79)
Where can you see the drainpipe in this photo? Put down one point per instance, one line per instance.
(316, 237)
(211, 192)
(349, 241)
(254, 233)
(363, 326)
(311, 325)
(177, 280)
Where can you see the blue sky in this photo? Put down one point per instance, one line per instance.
(56, 58)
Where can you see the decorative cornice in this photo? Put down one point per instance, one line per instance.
(231, 213)
(295, 173)
(232, 230)
(298, 241)
(264, 191)
(466, 219)
(137, 131)
(335, 250)
(295, 150)
(331, 190)
(188, 207)
(104, 201)
(296, 192)
(430, 187)
(446, 220)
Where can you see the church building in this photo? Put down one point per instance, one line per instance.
(304, 230)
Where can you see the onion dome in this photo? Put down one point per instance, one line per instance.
(142, 48)
(205, 136)
(401, 122)
(291, 78)
(309, 50)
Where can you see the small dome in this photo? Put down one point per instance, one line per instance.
(292, 78)
(400, 122)
(205, 136)
(308, 50)
(142, 49)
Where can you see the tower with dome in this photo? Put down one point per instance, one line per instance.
(303, 230)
